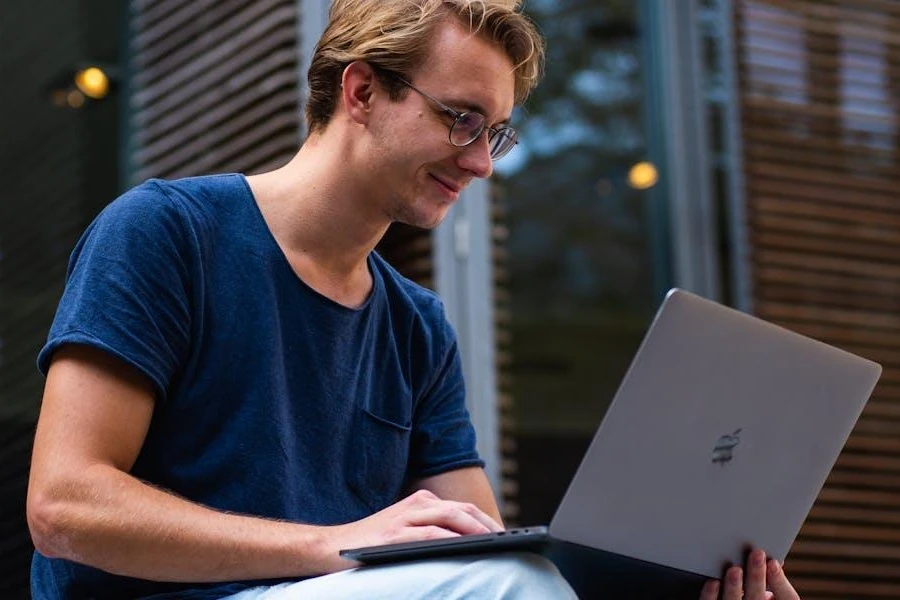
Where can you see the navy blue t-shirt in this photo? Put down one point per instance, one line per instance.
(272, 400)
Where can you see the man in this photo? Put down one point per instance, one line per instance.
(238, 386)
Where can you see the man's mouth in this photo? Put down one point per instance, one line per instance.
(450, 186)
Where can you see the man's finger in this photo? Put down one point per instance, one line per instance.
(755, 578)
(425, 499)
(482, 517)
(779, 583)
(448, 516)
(710, 590)
(430, 532)
(733, 584)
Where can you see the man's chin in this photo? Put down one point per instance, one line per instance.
(423, 221)
(431, 225)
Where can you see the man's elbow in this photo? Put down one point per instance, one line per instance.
(47, 520)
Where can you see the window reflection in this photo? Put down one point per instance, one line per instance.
(776, 53)
(865, 89)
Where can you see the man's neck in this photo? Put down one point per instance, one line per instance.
(323, 220)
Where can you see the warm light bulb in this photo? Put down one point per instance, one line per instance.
(93, 82)
(643, 176)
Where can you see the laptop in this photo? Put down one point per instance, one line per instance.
(718, 439)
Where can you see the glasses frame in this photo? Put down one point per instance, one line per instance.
(457, 118)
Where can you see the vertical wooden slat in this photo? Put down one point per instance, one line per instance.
(509, 468)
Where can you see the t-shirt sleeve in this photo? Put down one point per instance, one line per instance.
(127, 287)
(443, 438)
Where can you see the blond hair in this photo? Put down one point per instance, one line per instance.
(393, 35)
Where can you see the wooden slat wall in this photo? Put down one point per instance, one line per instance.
(819, 85)
(215, 89)
(410, 251)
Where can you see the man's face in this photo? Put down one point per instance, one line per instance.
(422, 171)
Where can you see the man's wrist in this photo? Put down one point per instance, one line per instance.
(316, 549)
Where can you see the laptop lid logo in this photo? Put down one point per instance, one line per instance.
(724, 450)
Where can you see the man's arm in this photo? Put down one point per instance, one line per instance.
(83, 505)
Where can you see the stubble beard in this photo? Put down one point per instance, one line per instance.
(410, 213)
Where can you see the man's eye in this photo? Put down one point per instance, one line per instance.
(471, 121)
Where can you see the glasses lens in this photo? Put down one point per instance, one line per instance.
(468, 127)
(501, 141)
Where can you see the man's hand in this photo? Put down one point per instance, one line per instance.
(420, 516)
(764, 581)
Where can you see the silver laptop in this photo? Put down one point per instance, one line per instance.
(719, 439)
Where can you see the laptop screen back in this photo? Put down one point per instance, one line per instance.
(719, 438)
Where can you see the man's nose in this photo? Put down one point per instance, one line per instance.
(476, 157)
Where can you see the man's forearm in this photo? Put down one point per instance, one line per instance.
(114, 522)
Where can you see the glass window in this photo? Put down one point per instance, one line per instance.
(583, 245)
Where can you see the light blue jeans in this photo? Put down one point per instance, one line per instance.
(520, 576)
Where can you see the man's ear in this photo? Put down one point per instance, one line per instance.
(358, 87)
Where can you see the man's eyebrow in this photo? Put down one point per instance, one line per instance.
(469, 106)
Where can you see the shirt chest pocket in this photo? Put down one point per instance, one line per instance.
(382, 436)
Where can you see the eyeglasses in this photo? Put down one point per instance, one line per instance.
(468, 126)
